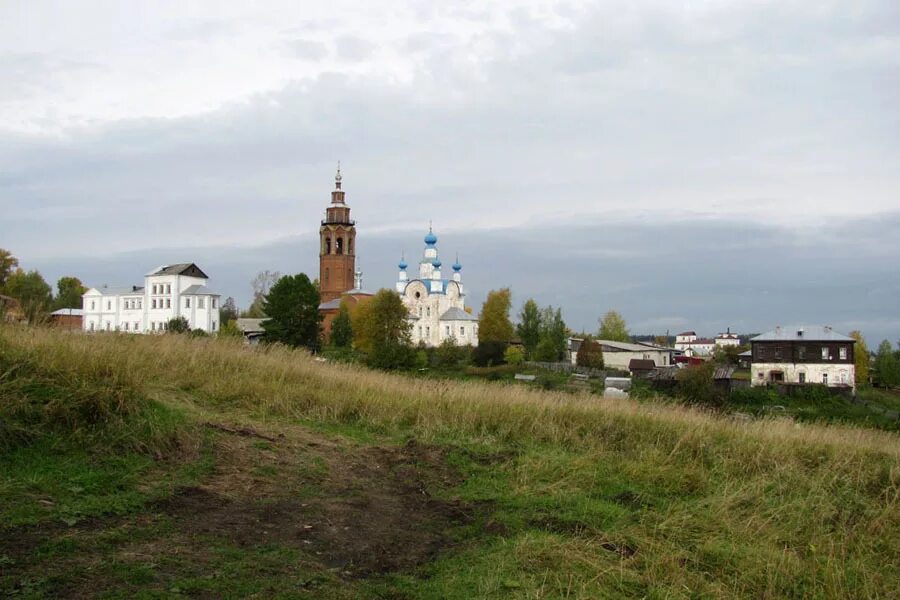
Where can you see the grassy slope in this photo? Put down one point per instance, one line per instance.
(578, 497)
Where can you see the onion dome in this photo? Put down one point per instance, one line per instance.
(402, 265)
(430, 239)
(456, 266)
(436, 263)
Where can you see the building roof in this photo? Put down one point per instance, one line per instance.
(457, 314)
(331, 304)
(641, 364)
(575, 344)
(198, 290)
(68, 312)
(727, 336)
(699, 342)
(815, 333)
(687, 333)
(746, 354)
(427, 282)
(190, 269)
(724, 372)
(626, 347)
(250, 325)
(132, 290)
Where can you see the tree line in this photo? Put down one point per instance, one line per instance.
(33, 294)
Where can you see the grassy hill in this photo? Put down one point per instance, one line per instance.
(161, 466)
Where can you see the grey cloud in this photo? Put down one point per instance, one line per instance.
(307, 49)
(353, 49)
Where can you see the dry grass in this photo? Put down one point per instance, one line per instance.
(764, 508)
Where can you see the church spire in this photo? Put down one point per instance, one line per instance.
(337, 177)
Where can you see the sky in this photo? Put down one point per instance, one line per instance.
(694, 165)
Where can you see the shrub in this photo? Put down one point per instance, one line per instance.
(178, 325)
(590, 355)
(449, 355)
(487, 354)
(695, 384)
(514, 355)
(421, 360)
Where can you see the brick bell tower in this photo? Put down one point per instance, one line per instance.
(337, 246)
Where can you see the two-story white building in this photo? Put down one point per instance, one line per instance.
(168, 292)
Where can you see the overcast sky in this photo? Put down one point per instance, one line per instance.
(692, 164)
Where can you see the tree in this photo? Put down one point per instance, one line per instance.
(860, 357)
(8, 262)
(450, 354)
(494, 324)
(261, 284)
(342, 328)
(292, 305)
(590, 355)
(612, 327)
(887, 368)
(69, 292)
(229, 329)
(178, 325)
(381, 329)
(228, 312)
(32, 292)
(553, 334)
(529, 327)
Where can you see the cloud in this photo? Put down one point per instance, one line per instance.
(353, 49)
(307, 49)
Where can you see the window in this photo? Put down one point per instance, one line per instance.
(153, 326)
(801, 377)
(92, 325)
(168, 303)
(420, 331)
(428, 311)
(826, 353)
(801, 352)
(777, 353)
(825, 378)
(187, 302)
(214, 326)
(168, 288)
(92, 307)
(108, 305)
(200, 303)
(339, 246)
(760, 375)
(136, 328)
(153, 303)
(327, 246)
(108, 326)
(154, 288)
(448, 330)
(214, 303)
(462, 331)
(843, 352)
(428, 331)
(126, 325)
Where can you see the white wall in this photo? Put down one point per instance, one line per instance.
(838, 374)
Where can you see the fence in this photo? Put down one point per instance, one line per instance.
(567, 367)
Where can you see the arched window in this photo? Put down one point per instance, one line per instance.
(328, 245)
(339, 245)
(326, 273)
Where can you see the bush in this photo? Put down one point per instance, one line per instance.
(695, 384)
(590, 355)
(178, 325)
(449, 355)
(421, 361)
(392, 355)
(488, 354)
(514, 355)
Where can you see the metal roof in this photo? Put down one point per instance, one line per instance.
(246, 325)
(457, 314)
(177, 269)
(628, 347)
(198, 290)
(132, 290)
(68, 312)
(815, 333)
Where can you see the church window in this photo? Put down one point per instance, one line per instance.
(187, 302)
(427, 311)
(327, 245)
(108, 305)
(168, 303)
(214, 302)
(462, 331)
(213, 325)
(200, 303)
(420, 330)
(168, 288)
(420, 308)
(154, 288)
(153, 303)
(419, 295)
(448, 330)
(92, 305)
(135, 326)
(428, 331)
(339, 246)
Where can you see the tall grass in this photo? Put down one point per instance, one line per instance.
(770, 506)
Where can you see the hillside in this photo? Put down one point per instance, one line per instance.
(161, 466)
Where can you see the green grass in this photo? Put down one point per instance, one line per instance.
(571, 496)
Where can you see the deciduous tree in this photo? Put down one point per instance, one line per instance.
(494, 324)
(529, 326)
(178, 325)
(342, 327)
(613, 328)
(69, 292)
(32, 292)
(553, 335)
(860, 357)
(590, 355)
(292, 305)
(228, 312)
(8, 263)
(381, 329)
(887, 369)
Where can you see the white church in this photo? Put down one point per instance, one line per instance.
(168, 292)
(437, 306)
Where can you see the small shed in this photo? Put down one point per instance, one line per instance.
(641, 367)
(67, 318)
(251, 329)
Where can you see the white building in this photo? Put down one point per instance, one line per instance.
(803, 355)
(727, 339)
(168, 292)
(618, 355)
(691, 345)
(437, 306)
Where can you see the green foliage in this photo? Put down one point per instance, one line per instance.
(421, 359)
(493, 323)
(229, 329)
(553, 336)
(381, 329)
(32, 292)
(450, 355)
(695, 384)
(178, 325)
(529, 326)
(342, 328)
(728, 355)
(860, 357)
(69, 292)
(887, 367)
(488, 354)
(228, 311)
(613, 328)
(8, 262)
(514, 355)
(590, 355)
(292, 306)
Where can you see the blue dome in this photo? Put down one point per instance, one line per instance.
(457, 267)
(402, 265)
(431, 239)
(436, 263)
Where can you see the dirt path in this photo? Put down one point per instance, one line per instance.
(346, 510)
